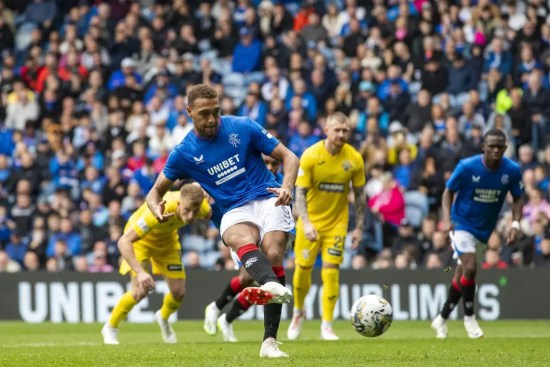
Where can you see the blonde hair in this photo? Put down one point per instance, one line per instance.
(338, 117)
(193, 193)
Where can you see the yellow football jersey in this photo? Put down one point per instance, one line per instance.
(327, 179)
(160, 235)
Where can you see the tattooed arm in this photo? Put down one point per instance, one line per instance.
(359, 202)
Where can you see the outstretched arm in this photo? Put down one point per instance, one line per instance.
(155, 195)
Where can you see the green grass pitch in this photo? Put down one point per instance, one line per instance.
(506, 343)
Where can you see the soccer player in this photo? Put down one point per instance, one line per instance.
(147, 243)
(224, 155)
(471, 204)
(232, 292)
(326, 171)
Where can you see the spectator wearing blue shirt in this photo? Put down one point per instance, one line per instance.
(460, 77)
(498, 58)
(162, 86)
(253, 108)
(302, 139)
(248, 53)
(118, 77)
(404, 170)
(17, 247)
(67, 235)
(394, 76)
(145, 176)
(308, 101)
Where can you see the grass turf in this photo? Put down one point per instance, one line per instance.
(506, 343)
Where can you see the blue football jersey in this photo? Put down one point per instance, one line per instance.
(480, 194)
(228, 166)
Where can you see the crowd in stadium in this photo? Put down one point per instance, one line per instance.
(93, 97)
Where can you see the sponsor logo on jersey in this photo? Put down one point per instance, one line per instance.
(269, 136)
(505, 179)
(334, 252)
(331, 187)
(346, 165)
(226, 170)
(320, 163)
(142, 225)
(476, 178)
(234, 139)
(174, 267)
(199, 160)
(487, 195)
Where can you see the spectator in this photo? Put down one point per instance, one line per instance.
(31, 262)
(543, 259)
(71, 241)
(8, 265)
(17, 247)
(247, 53)
(100, 264)
(441, 248)
(536, 97)
(302, 139)
(417, 115)
(254, 108)
(493, 261)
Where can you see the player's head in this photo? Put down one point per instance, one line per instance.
(203, 105)
(338, 129)
(493, 146)
(191, 197)
(271, 163)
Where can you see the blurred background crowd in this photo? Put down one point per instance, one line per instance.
(93, 97)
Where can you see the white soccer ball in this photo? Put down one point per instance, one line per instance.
(371, 315)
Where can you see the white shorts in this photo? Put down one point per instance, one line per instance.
(463, 243)
(263, 213)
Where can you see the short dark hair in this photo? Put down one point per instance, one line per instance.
(201, 91)
(494, 132)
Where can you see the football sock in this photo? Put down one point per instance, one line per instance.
(169, 306)
(124, 305)
(272, 311)
(240, 306)
(468, 289)
(452, 299)
(232, 289)
(331, 290)
(301, 282)
(256, 264)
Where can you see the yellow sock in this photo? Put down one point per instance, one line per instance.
(331, 291)
(124, 305)
(301, 282)
(169, 306)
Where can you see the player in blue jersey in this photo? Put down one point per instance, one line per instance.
(213, 321)
(224, 155)
(471, 205)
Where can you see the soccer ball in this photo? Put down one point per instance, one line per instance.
(371, 315)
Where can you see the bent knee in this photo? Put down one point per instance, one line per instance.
(178, 294)
(139, 294)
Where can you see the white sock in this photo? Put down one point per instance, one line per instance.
(326, 324)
